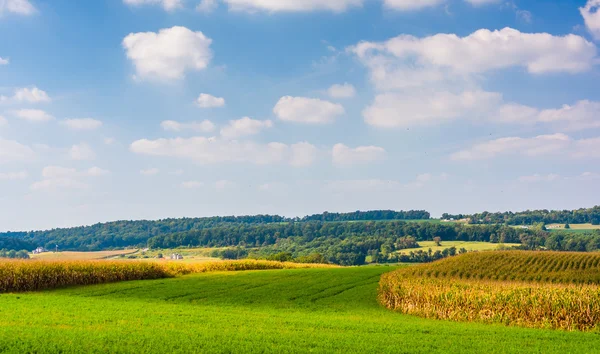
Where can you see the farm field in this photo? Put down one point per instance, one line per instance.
(469, 246)
(574, 227)
(80, 256)
(294, 311)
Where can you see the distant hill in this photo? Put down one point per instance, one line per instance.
(530, 217)
(120, 234)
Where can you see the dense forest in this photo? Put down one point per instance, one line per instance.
(338, 242)
(562, 241)
(12, 243)
(122, 234)
(529, 217)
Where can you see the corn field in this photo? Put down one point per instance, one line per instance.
(20, 276)
(527, 289)
(546, 267)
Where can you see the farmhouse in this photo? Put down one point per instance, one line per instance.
(39, 250)
(176, 256)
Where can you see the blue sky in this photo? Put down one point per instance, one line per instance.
(129, 109)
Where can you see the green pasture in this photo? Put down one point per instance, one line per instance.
(287, 311)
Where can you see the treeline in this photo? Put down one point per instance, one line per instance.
(529, 217)
(338, 242)
(121, 234)
(370, 215)
(562, 241)
(12, 243)
(22, 254)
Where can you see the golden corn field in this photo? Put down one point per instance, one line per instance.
(18, 276)
(553, 267)
(528, 289)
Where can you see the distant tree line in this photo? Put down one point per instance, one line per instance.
(337, 242)
(562, 241)
(529, 217)
(121, 234)
(13, 243)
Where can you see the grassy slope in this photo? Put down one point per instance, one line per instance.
(318, 310)
(470, 246)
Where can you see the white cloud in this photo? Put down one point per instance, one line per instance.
(244, 127)
(303, 154)
(407, 61)
(556, 144)
(588, 176)
(213, 150)
(109, 141)
(292, 5)
(57, 177)
(411, 5)
(582, 115)
(209, 101)
(192, 184)
(342, 91)
(31, 95)
(33, 115)
(3, 121)
(207, 6)
(168, 5)
(407, 110)
(82, 152)
(591, 17)
(307, 110)
(13, 176)
(345, 156)
(19, 7)
(206, 126)
(168, 54)
(150, 172)
(539, 178)
(82, 124)
(4, 61)
(13, 151)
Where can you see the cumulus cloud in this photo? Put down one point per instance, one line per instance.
(407, 61)
(168, 54)
(591, 17)
(411, 5)
(292, 5)
(581, 115)
(82, 152)
(33, 115)
(307, 110)
(555, 144)
(213, 150)
(244, 127)
(13, 176)
(80, 124)
(168, 5)
(206, 126)
(342, 91)
(4, 61)
(18, 7)
(13, 151)
(27, 95)
(57, 177)
(209, 101)
(346, 156)
(207, 6)
(407, 110)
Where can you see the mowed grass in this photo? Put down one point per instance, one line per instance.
(80, 256)
(469, 246)
(281, 311)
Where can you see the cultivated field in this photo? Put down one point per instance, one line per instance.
(80, 256)
(573, 227)
(469, 246)
(529, 289)
(283, 311)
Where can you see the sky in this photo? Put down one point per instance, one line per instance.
(148, 109)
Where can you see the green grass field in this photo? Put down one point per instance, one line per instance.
(469, 246)
(293, 311)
